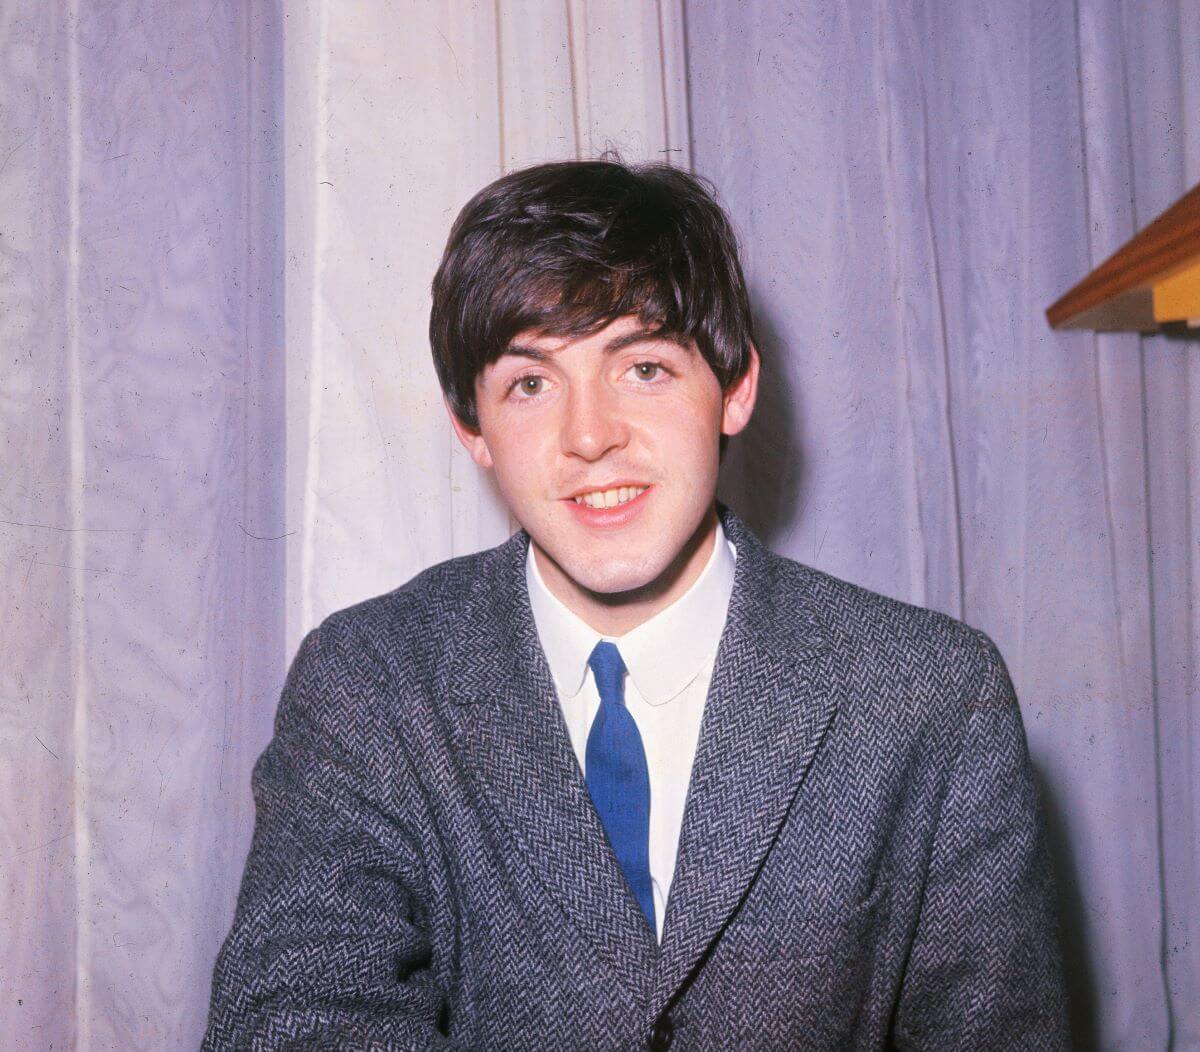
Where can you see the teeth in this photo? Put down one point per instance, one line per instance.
(610, 498)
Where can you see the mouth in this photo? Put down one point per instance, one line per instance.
(609, 507)
(610, 496)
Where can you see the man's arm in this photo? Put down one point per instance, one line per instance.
(328, 946)
(985, 970)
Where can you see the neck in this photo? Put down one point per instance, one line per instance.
(614, 614)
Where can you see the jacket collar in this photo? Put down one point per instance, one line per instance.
(769, 704)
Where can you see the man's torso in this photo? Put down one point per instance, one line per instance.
(832, 727)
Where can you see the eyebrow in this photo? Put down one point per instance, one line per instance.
(617, 343)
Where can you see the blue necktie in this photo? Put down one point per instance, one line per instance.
(617, 777)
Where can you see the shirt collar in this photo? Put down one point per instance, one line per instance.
(663, 655)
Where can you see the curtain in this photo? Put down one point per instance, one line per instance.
(218, 225)
(219, 418)
(396, 115)
(914, 184)
(140, 416)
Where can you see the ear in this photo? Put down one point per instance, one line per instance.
(471, 438)
(740, 397)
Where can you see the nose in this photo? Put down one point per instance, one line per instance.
(593, 424)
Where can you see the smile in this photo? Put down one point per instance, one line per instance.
(610, 498)
(609, 509)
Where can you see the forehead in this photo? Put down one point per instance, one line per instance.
(623, 332)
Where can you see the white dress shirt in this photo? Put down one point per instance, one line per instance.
(669, 660)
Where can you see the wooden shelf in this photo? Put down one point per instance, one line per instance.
(1152, 280)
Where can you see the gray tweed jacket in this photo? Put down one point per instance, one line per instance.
(861, 861)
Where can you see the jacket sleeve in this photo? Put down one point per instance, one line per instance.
(984, 969)
(328, 946)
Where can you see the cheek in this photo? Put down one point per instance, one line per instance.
(519, 450)
(687, 429)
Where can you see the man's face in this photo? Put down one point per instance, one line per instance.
(606, 448)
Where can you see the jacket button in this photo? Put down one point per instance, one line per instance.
(660, 1034)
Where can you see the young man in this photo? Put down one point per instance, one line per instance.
(630, 779)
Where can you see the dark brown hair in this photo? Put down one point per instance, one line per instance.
(563, 249)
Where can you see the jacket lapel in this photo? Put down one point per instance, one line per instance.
(769, 704)
(515, 744)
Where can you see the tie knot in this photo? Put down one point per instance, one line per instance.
(609, 670)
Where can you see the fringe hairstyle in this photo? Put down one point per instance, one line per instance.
(563, 249)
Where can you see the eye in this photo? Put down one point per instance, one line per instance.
(528, 385)
(648, 371)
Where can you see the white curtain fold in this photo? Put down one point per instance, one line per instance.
(401, 112)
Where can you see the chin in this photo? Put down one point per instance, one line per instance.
(611, 576)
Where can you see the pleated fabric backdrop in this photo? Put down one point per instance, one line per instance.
(914, 184)
(396, 115)
(218, 224)
(141, 418)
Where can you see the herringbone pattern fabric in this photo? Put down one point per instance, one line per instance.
(861, 862)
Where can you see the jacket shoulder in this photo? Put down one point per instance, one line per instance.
(904, 642)
(377, 652)
(420, 610)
